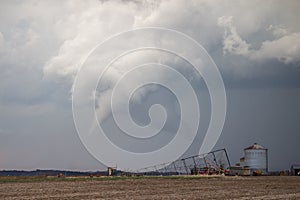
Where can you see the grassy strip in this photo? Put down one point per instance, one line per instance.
(24, 179)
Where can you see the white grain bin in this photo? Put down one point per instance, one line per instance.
(256, 158)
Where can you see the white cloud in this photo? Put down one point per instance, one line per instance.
(232, 42)
(285, 47)
(83, 25)
(93, 25)
(277, 31)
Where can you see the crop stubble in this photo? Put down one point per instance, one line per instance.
(156, 188)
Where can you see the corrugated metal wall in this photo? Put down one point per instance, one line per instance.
(257, 159)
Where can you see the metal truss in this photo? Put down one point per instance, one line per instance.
(214, 162)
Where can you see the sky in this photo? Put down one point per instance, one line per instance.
(255, 45)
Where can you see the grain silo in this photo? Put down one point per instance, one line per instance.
(256, 158)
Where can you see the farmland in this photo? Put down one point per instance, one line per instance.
(189, 187)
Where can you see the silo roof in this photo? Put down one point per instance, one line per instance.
(255, 146)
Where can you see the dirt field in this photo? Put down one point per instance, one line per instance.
(154, 188)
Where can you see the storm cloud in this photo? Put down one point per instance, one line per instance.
(255, 44)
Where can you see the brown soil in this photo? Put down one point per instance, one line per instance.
(156, 188)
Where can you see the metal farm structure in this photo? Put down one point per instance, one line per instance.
(256, 158)
(214, 162)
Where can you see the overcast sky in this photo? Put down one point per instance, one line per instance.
(255, 44)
